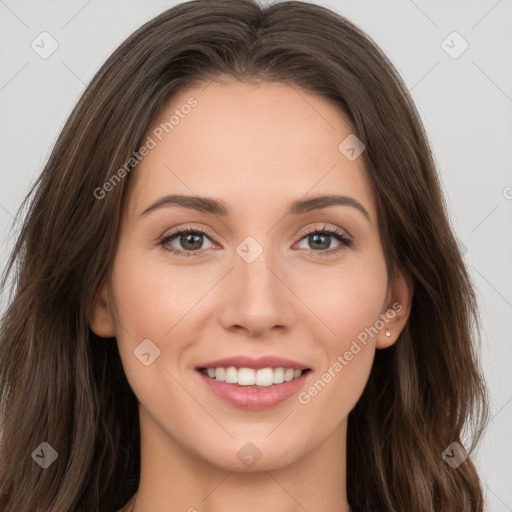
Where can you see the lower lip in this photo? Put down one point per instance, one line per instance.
(247, 397)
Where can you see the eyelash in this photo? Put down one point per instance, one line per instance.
(336, 233)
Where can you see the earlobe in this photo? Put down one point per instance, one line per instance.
(399, 302)
(100, 318)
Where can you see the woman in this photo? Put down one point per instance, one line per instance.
(237, 286)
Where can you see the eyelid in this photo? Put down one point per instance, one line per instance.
(188, 227)
(306, 231)
(336, 232)
(321, 227)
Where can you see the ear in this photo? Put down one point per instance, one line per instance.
(100, 318)
(397, 308)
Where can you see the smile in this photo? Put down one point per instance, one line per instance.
(263, 377)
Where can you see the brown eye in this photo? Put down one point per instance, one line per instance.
(190, 241)
(319, 241)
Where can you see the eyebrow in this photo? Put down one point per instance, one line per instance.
(217, 207)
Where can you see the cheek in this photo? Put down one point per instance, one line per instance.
(149, 301)
(337, 385)
(350, 306)
(346, 300)
(357, 307)
(158, 303)
(149, 304)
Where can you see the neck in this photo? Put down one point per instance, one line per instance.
(171, 474)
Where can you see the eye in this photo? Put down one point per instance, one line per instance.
(322, 238)
(191, 241)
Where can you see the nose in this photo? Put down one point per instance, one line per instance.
(258, 296)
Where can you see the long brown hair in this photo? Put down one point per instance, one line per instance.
(63, 385)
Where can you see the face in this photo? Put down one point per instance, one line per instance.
(254, 279)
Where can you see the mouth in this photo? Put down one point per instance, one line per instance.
(251, 377)
(248, 383)
(254, 383)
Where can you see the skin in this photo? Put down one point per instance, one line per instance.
(257, 147)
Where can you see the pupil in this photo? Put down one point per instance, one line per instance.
(320, 236)
(186, 237)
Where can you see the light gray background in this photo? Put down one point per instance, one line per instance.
(465, 103)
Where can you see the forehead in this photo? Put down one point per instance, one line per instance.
(251, 144)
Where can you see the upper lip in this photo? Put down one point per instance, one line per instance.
(255, 363)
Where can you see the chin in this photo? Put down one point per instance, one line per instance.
(252, 454)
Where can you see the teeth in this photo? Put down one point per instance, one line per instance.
(278, 376)
(219, 374)
(231, 376)
(263, 377)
